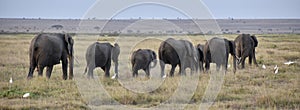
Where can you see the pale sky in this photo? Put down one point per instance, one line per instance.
(75, 9)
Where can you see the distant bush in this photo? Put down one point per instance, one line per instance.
(58, 26)
(110, 34)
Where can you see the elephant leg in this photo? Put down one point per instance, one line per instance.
(218, 67)
(107, 69)
(201, 67)
(65, 68)
(250, 60)
(41, 69)
(172, 70)
(116, 69)
(31, 70)
(182, 70)
(91, 72)
(162, 68)
(224, 67)
(243, 62)
(103, 68)
(254, 58)
(147, 71)
(49, 71)
(207, 66)
(137, 73)
(134, 71)
(194, 68)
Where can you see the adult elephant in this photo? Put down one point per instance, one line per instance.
(245, 47)
(100, 55)
(141, 59)
(200, 55)
(177, 52)
(216, 50)
(47, 50)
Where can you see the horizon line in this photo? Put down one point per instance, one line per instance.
(39, 18)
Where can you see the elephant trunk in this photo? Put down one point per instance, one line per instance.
(71, 65)
(115, 54)
(238, 59)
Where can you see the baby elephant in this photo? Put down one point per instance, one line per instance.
(100, 55)
(141, 59)
(245, 47)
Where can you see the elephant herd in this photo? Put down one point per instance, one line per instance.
(47, 50)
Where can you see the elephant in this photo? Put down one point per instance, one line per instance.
(200, 54)
(141, 59)
(47, 50)
(100, 55)
(177, 52)
(245, 47)
(216, 50)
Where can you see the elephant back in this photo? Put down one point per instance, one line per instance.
(48, 49)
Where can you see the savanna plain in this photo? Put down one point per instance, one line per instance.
(249, 88)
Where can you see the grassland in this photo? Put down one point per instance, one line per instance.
(250, 88)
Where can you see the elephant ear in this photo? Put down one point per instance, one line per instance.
(70, 42)
(153, 55)
(255, 40)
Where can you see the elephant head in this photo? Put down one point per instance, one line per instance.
(70, 42)
(255, 40)
(192, 53)
(153, 58)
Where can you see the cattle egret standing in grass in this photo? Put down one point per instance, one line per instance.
(276, 69)
(10, 80)
(114, 77)
(264, 66)
(26, 95)
(289, 62)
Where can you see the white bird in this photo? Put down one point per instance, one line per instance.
(276, 69)
(114, 77)
(264, 66)
(10, 80)
(289, 62)
(26, 95)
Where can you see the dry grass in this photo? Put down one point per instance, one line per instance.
(251, 88)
